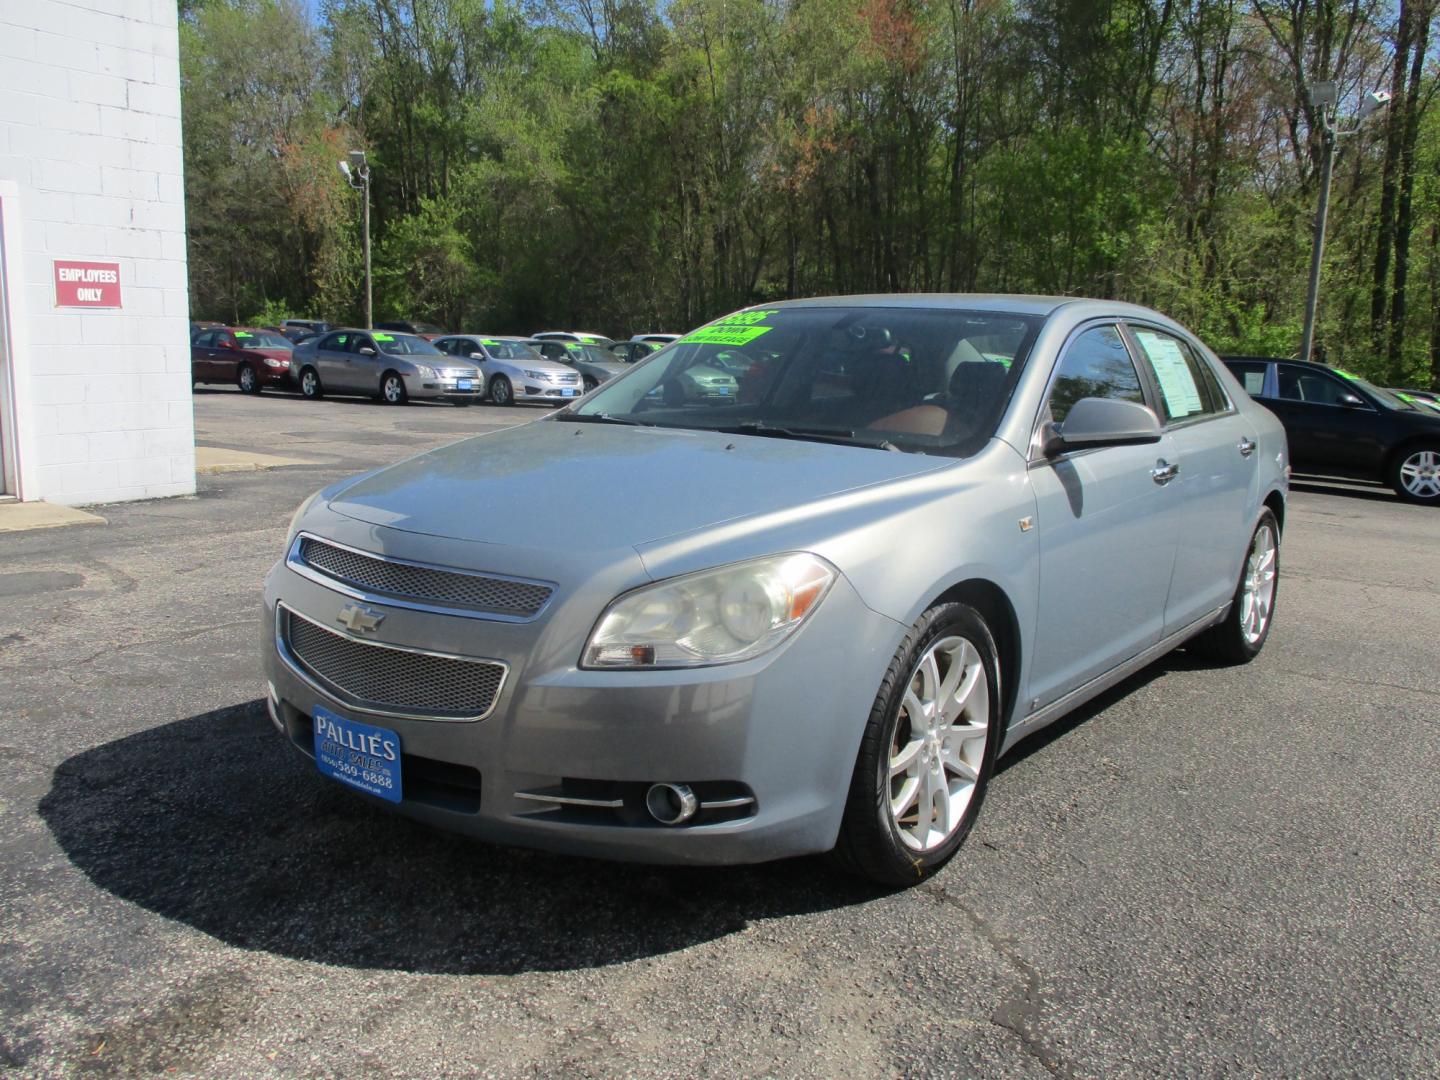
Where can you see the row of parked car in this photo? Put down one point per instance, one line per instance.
(397, 361)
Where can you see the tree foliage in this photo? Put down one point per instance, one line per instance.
(631, 165)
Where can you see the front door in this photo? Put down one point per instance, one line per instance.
(1331, 426)
(1108, 520)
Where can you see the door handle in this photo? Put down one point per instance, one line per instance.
(1246, 447)
(1164, 472)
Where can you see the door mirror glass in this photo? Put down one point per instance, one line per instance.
(1094, 422)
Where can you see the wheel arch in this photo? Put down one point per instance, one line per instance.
(1275, 503)
(1406, 446)
(995, 607)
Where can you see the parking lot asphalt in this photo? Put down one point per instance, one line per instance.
(1207, 871)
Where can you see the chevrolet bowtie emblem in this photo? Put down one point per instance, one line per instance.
(359, 619)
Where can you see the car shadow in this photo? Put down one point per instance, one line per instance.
(216, 822)
(1349, 489)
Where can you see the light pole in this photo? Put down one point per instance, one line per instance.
(1323, 97)
(357, 172)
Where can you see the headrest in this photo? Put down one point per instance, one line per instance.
(977, 380)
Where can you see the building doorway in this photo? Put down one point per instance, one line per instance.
(8, 477)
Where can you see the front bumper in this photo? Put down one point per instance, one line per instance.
(418, 386)
(546, 392)
(783, 730)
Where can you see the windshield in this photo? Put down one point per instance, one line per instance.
(405, 345)
(509, 350)
(427, 328)
(593, 353)
(261, 339)
(929, 381)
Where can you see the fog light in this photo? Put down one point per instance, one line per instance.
(671, 804)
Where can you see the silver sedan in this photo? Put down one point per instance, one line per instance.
(809, 617)
(511, 370)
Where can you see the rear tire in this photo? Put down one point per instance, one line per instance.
(310, 384)
(247, 380)
(1240, 636)
(928, 751)
(501, 392)
(1415, 474)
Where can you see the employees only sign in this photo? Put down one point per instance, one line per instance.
(87, 284)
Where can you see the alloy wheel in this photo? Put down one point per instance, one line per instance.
(938, 743)
(1258, 596)
(394, 390)
(1420, 473)
(247, 379)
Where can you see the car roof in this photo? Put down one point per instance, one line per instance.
(1007, 303)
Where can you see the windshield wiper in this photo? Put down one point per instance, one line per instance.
(824, 435)
(599, 418)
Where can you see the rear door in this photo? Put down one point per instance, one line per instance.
(1108, 520)
(200, 349)
(1215, 450)
(332, 360)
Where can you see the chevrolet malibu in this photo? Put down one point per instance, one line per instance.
(805, 619)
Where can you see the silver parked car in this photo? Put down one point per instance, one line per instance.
(377, 363)
(511, 370)
(594, 363)
(806, 619)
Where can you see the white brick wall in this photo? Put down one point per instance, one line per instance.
(90, 159)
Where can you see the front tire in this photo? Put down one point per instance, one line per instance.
(310, 384)
(392, 389)
(1240, 636)
(590, 383)
(247, 380)
(501, 392)
(1415, 475)
(928, 751)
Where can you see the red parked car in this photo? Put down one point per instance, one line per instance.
(252, 359)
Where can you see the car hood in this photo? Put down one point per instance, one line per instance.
(535, 365)
(614, 367)
(562, 486)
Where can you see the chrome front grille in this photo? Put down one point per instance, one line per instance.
(567, 379)
(427, 586)
(387, 678)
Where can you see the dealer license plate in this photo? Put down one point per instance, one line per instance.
(362, 755)
(568, 392)
(464, 384)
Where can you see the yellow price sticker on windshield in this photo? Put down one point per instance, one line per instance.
(725, 335)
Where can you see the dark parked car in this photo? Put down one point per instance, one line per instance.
(1340, 425)
(251, 359)
(429, 331)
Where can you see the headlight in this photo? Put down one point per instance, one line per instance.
(717, 616)
(425, 372)
(543, 376)
(272, 362)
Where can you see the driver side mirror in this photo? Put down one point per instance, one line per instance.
(1351, 401)
(477, 356)
(366, 350)
(1094, 422)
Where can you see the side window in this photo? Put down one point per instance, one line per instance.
(335, 342)
(1251, 374)
(1184, 392)
(360, 341)
(224, 340)
(206, 340)
(1096, 364)
(1312, 387)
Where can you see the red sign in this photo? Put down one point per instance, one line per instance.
(87, 284)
